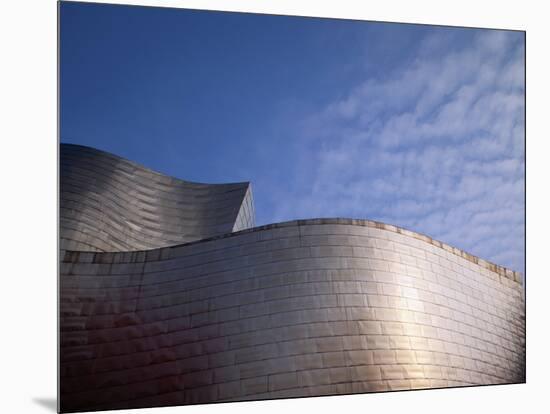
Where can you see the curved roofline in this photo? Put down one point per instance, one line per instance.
(500, 270)
(109, 203)
(143, 167)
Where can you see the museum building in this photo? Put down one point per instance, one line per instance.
(170, 295)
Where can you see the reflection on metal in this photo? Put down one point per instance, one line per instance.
(302, 308)
(111, 204)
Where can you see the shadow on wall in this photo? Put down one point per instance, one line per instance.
(49, 403)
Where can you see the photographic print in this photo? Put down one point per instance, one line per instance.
(259, 206)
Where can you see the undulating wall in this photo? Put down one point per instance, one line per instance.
(108, 203)
(302, 308)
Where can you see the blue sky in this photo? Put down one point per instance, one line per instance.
(417, 126)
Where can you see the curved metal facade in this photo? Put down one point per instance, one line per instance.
(112, 204)
(303, 308)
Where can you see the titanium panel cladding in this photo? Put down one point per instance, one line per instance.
(302, 308)
(112, 204)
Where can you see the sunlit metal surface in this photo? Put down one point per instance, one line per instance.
(303, 308)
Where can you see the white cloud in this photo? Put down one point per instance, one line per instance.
(437, 147)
